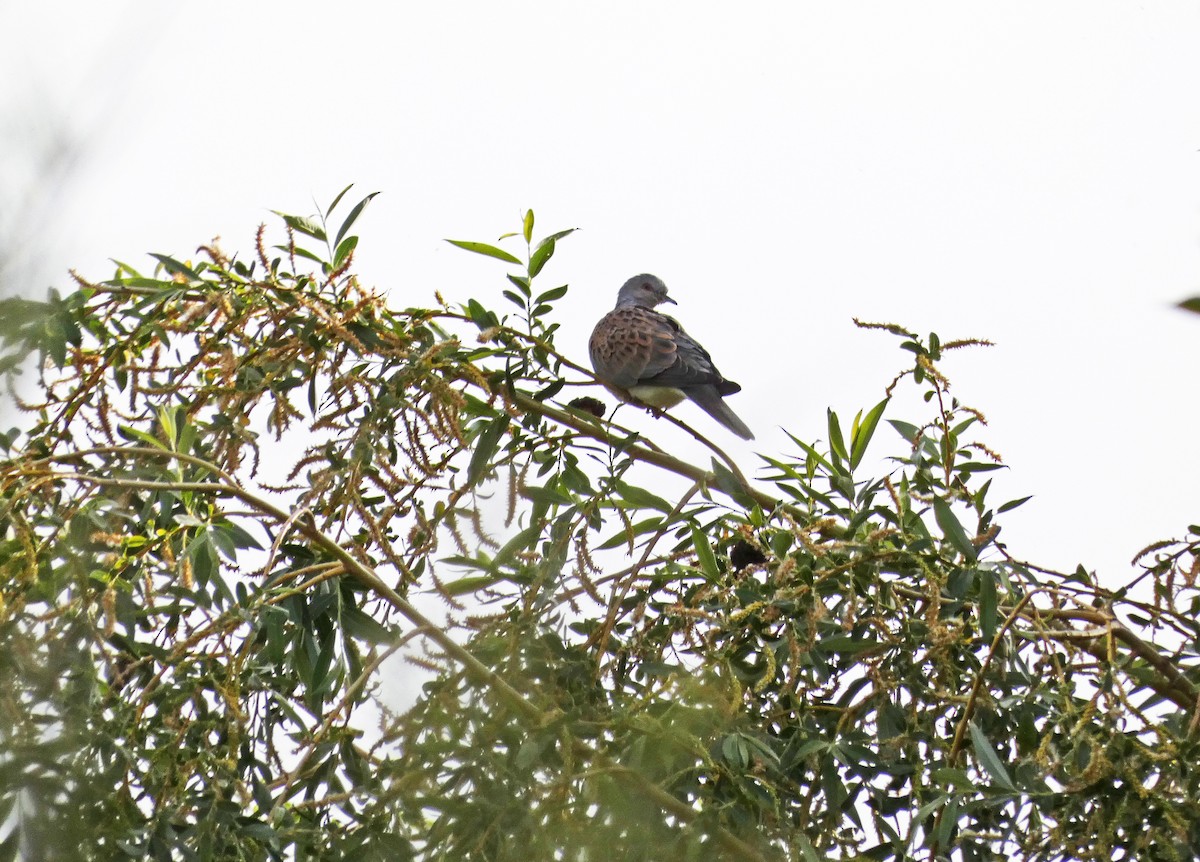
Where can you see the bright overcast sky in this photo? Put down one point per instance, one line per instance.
(1026, 172)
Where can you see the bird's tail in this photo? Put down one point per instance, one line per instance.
(711, 402)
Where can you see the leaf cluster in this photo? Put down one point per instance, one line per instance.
(238, 478)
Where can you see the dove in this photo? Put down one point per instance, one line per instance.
(645, 356)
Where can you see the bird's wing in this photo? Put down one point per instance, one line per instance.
(632, 344)
(691, 364)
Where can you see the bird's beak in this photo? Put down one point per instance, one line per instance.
(668, 299)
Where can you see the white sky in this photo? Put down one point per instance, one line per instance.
(1026, 172)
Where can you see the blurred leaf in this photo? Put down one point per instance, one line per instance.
(304, 225)
(807, 848)
(522, 541)
(953, 779)
(365, 627)
(906, 430)
(485, 447)
(554, 237)
(352, 218)
(641, 499)
(136, 435)
(549, 391)
(988, 758)
(1012, 504)
(343, 250)
(952, 529)
(546, 496)
(485, 249)
(337, 200)
(862, 433)
(473, 584)
(705, 555)
(301, 252)
(837, 445)
(988, 604)
(729, 484)
(174, 267)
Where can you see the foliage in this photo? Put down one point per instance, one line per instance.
(237, 477)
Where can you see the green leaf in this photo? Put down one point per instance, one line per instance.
(364, 627)
(555, 237)
(948, 824)
(300, 252)
(729, 484)
(988, 758)
(836, 444)
(353, 217)
(906, 430)
(343, 250)
(303, 224)
(167, 419)
(847, 645)
(952, 529)
(10, 847)
(705, 555)
(485, 448)
(929, 807)
(539, 258)
(812, 453)
(480, 316)
(485, 249)
(952, 778)
(522, 284)
(1081, 576)
(641, 498)
(238, 537)
(862, 432)
(988, 602)
(203, 557)
(807, 848)
(136, 435)
(337, 200)
(764, 751)
(520, 542)
(528, 226)
(734, 751)
(641, 528)
(1012, 504)
(514, 298)
(546, 496)
(463, 586)
(531, 751)
(223, 541)
(1191, 304)
(549, 391)
(552, 294)
(174, 267)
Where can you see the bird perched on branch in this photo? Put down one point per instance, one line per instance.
(646, 357)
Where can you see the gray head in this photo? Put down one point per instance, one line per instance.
(643, 290)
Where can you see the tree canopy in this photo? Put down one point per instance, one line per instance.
(246, 495)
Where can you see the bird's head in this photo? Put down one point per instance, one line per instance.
(643, 290)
